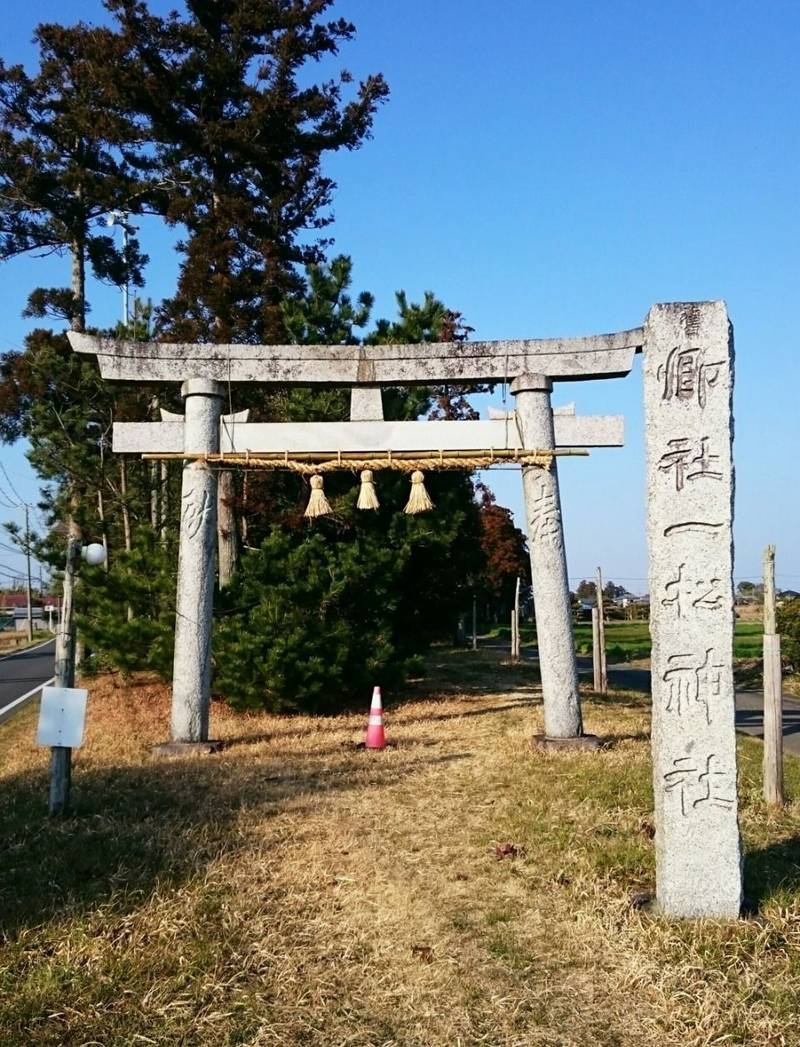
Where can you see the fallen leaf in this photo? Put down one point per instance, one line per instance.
(508, 850)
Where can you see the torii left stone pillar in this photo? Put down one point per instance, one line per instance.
(191, 677)
(562, 708)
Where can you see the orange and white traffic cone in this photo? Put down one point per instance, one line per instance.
(376, 737)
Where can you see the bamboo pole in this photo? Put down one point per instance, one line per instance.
(773, 689)
(384, 459)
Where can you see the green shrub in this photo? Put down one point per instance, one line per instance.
(314, 620)
(789, 628)
(144, 581)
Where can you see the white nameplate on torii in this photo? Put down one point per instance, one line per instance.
(571, 431)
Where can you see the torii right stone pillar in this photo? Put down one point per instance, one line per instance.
(562, 708)
(191, 676)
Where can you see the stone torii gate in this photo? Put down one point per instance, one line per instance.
(688, 380)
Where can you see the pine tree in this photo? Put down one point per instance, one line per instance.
(64, 167)
(320, 612)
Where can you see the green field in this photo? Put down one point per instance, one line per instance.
(629, 641)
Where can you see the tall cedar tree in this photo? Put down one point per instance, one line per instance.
(240, 142)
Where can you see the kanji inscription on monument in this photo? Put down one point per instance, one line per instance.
(688, 384)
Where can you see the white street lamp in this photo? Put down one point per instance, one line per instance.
(94, 554)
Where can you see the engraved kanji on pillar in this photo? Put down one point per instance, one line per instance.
(688, 387)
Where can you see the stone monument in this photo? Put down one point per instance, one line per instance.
(688, 385)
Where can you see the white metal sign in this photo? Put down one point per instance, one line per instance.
(62, 716)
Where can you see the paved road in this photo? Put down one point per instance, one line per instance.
(21, 673)
(749, 704)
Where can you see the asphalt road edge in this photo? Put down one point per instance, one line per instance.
(14, 707)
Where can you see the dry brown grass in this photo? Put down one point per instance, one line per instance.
(293, 890)
(11, 640)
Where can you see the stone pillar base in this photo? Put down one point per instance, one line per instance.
(580, 741)
(172, 749)
(646, 902)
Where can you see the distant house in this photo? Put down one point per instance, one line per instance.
(12, 598)
(38, 620)
(625, 599)
(14, 609)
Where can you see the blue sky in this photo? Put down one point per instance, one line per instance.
(554, 169)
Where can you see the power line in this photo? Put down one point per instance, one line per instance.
(14, 491)
(5, 503)
(21, 552)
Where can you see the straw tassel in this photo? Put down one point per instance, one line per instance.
(367, 497)
(318, 504)
(419, 500)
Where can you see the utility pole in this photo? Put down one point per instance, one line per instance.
(28, 558)
(601, 635)
(61, 755)
(773, 689)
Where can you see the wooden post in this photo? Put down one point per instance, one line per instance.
(518, 648)
(773, 689)
(596, 656)
(61, 756)
(601, 635)
(513, 635)
(474, 623)
(227, 532)
(28, 561)
(770, 617)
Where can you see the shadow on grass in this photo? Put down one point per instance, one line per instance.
(136, 829)
(611, 741)
(772, 871)
(525, 703)
(467, 673)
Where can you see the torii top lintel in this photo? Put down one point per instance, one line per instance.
(562, 359)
